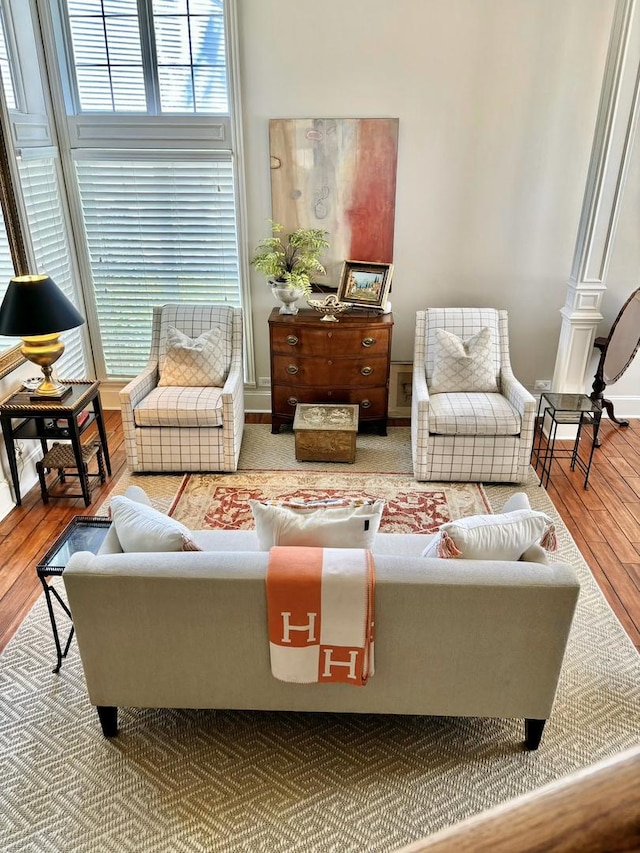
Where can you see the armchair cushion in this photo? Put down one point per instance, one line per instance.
(473, 414)
(463, 366)
(201, 361)
(180, 407)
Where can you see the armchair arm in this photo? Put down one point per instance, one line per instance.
(130, 396)
(233, 411)
(516, 393)
(419, 422)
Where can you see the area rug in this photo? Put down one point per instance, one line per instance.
(222, 501)
(200, 781)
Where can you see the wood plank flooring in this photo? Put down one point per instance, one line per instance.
(604, 521)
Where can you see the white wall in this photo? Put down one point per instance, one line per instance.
(497, 102)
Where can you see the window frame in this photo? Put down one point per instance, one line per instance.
(199, 134)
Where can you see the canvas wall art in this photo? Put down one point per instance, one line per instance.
(338, 174)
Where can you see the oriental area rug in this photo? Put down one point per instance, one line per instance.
(179, 781)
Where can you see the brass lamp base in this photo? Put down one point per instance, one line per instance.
(45, 350)
(56, 396)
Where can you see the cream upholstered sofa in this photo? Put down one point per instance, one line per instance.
(186, 428)
(189, 630)
(469, 436)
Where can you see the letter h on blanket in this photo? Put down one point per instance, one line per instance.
(320, 610)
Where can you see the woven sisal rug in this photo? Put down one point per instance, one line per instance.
(183, 781)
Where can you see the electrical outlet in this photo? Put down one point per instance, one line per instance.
(264, 382)
(542, 385)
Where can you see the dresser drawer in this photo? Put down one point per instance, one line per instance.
(372, 402)
(331, 372)
(331, 342)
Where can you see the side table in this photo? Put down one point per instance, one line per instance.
(83, 533)
(40, 419)
(574, 409)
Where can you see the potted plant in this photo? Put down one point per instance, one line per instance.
(288, 265)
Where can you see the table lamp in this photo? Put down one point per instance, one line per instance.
(36, 310)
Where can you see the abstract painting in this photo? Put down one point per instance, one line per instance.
(340, 175)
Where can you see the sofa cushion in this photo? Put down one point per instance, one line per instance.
(472, 414)
(189, 362)
(463, 365)
(493, 537)
(142, 528)
(180, 407)
(344, 524)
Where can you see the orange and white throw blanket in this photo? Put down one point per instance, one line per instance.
(320, 614)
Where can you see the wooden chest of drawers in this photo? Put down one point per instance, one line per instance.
(317, 362)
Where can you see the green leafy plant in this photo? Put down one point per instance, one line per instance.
(293, 260)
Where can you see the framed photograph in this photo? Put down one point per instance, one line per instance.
(400, 386)
(364, 283)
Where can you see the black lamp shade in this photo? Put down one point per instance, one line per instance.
(35, 305)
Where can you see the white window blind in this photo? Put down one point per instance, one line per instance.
(158, 230)
(40, 189)
(6, 273)
(6, 66)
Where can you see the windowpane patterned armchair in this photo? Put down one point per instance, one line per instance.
(469, 435)
(186, 428)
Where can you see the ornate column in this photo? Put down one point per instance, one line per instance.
(610, 155)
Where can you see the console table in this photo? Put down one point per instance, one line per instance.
(313, 361)
(40, 420)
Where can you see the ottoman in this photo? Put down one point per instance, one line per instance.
(325, 433)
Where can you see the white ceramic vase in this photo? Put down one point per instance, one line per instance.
(288, 296)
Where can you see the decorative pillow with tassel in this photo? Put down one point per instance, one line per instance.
(493, 537)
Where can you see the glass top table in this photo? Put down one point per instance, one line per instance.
(83, 533)
(577, 409)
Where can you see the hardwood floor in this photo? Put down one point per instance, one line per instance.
(604, 521)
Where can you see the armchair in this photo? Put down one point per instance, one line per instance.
(469, 435)
(186, 428)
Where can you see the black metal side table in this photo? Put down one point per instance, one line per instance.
(83, 533)
(571, 409)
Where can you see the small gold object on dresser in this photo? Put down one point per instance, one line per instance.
(329, 307)
(325, 433)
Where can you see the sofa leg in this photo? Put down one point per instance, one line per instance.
(533, 732)
(108, 720)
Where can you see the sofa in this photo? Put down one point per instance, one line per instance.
(454, 637)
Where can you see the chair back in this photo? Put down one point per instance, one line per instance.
(465, 322)
(193, 320)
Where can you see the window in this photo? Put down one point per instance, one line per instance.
(41, 193)
(6, 65)
(150, 164)
(158, 231)
(170, 60)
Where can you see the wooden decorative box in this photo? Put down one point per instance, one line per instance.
(325, 433)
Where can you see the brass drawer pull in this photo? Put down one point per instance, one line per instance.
(365, 404)
(292, 368)
(292, 340)
(292, 401)
(368, 342)
(366, 371)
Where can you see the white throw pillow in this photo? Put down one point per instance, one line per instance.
(195, 362)
(493, 537)
(142, 528)
(463, 366)
(319, 524)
